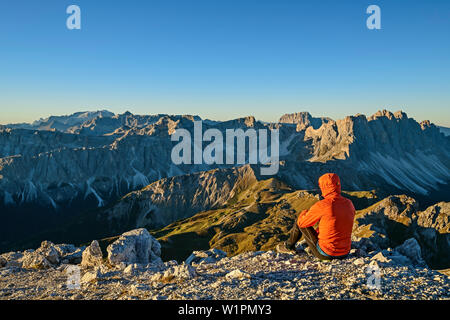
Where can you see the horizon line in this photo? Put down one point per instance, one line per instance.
(383, 111)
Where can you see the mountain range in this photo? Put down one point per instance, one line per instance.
(97, 174)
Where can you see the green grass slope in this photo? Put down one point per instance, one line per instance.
(257, 218)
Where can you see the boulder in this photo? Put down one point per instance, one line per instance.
(411, 249)
(50, 252)
(202, 257)
(136, 246)
(65, 249)
(133, 269)
(380, 258)
(35, 260)
(196, 257)
(45, 257)
(91, 276)
(175, 273)
(184, 272)
(74, 257)
(237, 274)
(359, 262)
(92, 256)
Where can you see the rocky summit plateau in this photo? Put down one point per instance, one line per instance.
(166, 231)
(132, 269)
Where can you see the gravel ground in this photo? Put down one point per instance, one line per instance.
(254, 275)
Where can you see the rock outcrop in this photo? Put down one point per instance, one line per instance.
(209, 256)
(91, 276)
(136, 246)
(44, 257)
(176, 273)
(92, 255)
(304, 120)
(397, 222)
(437, 217)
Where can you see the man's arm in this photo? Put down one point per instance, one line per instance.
(308, 218)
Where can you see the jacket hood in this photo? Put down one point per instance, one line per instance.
(329, 183)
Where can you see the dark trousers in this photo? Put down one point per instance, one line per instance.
(311, 238)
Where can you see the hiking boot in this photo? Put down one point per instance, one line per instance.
(283, 248)
(300, 246)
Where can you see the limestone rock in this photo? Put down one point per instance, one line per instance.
(237, 274)
(359, 262)
(137, 289)
(132, 269)
(65, 249)
(136, 246)
(69, 253)
(156, 277)
(183, 271)
(437, 217)
(303, 120)
(50, 252)
(253, 276)
(175, 273)
(92, 256)
(397, 217)
(46, 256)
(202, 257)
(380, 258)
(34, 260)
(91, 276)
(75, 257)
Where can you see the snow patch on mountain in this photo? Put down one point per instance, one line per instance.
(139, 179)
(91, 190)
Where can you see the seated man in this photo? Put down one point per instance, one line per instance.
(335, 215)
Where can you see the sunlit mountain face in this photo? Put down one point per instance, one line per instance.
(79, 170)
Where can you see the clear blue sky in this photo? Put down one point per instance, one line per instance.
(224, 59)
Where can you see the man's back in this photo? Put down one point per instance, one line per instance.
(336, 224)
(335, 215)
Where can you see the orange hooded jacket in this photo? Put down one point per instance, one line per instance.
(335, 215)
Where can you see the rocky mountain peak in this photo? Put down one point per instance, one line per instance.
(303, 120)
(388, 114)
(250, 121)
(400, 115)
(381, 113)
